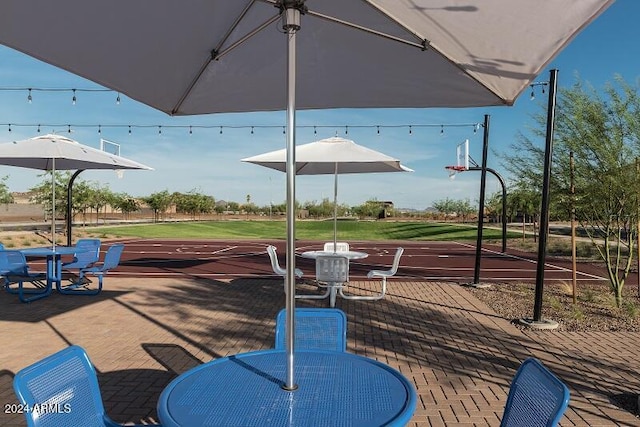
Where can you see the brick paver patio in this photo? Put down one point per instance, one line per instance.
(141, 333)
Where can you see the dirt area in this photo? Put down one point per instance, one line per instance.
(594, 310)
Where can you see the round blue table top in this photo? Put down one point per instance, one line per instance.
(334, 389)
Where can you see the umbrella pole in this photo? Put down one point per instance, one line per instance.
(291, 25)
(53, 206)
(335, 208)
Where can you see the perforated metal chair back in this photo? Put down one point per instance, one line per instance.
(64, 390)
(13, 263)
(88, 253)
(332, 269)
(536, 397)
(315, 329)
(396, 261)
(275, 265)
(340, 247)
(112, 257)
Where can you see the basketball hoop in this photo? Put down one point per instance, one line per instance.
(453, 170)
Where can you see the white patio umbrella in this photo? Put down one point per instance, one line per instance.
(55, 152)
(230, 55)
(331, 156)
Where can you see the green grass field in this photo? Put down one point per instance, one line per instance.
(305, 230)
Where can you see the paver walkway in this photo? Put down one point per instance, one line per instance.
(141, 333)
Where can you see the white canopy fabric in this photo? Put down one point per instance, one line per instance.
(192, 58)
(328, 155)
(46, 151)
(210, 56)
(331, 156)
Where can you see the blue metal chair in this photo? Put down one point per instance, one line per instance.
(111, 261)
(536, 397)
(87, 255)
(62, 390)
(15, 271)
(315, 329)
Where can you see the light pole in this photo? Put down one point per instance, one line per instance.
(537, 321)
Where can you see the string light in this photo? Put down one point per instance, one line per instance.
(251, 128)
(534, 85)
(73, 100)
(118, 99)
(29, 97)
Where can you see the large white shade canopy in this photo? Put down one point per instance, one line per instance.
(330, 156)
(229, 55)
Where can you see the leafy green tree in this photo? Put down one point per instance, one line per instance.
(602, 129)
(5, 194)
(193, 203)
(159, 202)
(369, 209)
(125, 204)
(463, 208)
(445, 206)
(42, 193)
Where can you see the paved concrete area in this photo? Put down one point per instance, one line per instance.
(141, 333)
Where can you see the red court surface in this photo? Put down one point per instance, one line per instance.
(439, 261)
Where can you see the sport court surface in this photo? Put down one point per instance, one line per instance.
(447, 261)
(173, 305)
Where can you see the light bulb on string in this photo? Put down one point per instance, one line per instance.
(38, 128)
(74, 99)
(159, 130)
(29, 97)
(410, 130)
(118, 99)
(220, 130)
(99, 129)
(129, 129)
(251, 130)
(190, 131)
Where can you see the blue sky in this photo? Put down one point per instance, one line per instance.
(209, 162)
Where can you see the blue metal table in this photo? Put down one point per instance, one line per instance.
(334, 389)
(54, 260)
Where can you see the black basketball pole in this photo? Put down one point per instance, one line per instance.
(70, 205)
(483, 184)
(504, 203)
(544, 210)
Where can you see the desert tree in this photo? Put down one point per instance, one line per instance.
(601, 129)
